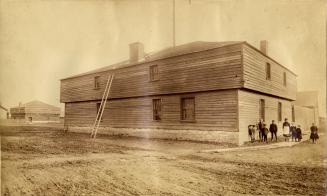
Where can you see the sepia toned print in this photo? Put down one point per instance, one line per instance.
(178, 97)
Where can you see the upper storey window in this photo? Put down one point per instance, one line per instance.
(268, 71)
(96, 82)
(284, 79)
(154, 73)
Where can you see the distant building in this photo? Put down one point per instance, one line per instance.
(309, 99)
(4, 112)
(35, 111)
(204, 91)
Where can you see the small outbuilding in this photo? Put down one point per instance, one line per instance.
(35, 111)
(4, 112)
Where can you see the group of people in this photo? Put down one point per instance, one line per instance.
(289, 131)
(263, 131)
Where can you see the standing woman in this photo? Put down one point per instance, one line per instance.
(314, 133)
(286, 130)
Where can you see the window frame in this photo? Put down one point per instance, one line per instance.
(96, 82)
(153, 73)
(284, 79)
(279, 111)
(268, 71)
(160, 109)
(262, 109)
(182, 109)
(293, 113)
(97, 107)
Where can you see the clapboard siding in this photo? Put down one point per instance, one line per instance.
(213, 111)
(248, 104)
(213, 69)
(255, 75)
(304, 116)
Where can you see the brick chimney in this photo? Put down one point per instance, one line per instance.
(136, 52)
(264, 47)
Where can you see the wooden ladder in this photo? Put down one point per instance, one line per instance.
(102, 106)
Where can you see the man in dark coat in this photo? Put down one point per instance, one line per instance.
(273, 130)
(261, 129)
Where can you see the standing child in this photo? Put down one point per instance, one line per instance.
(250, 132)
(265, 133)
(299, 133)
(293, 132)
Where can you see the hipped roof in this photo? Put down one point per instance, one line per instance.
(187, 48)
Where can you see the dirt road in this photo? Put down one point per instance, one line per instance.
(45, 161)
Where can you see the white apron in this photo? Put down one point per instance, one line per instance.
(286, 130)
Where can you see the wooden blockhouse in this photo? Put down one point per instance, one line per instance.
(202, 91)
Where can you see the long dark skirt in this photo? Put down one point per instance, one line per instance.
(314, 136)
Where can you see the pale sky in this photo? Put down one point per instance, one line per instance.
(44, 41)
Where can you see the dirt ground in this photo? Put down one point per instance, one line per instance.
(46, 161)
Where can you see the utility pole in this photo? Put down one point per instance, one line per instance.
(174, 21)
(174, 39)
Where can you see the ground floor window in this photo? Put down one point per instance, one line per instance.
(293, 114)
(188, 108)
(262, 109)
(279, 111)
(98, 109)
(156, 108)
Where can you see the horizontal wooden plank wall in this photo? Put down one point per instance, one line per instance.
(213, 111)
(36, 107)
(42, 109)
(255, 75)
(42, 117)
(17, 110)
(213, 69)
(249, 111)
(305, 117)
